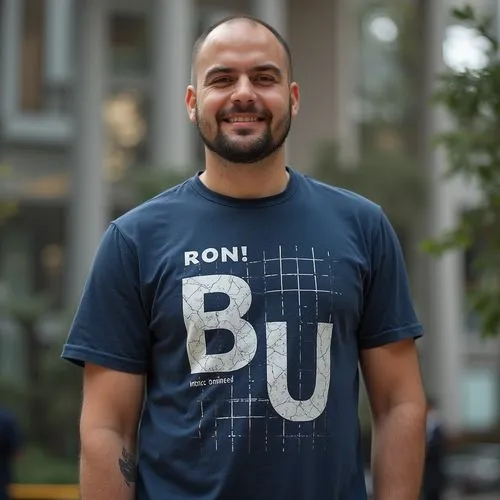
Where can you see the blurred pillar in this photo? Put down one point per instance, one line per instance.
(88, 196)
(345, 52)
(11, 34)
(172, 142)
(273, 12)
(444, 277)
(59, 23)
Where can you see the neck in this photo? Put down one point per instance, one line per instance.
(255, 180)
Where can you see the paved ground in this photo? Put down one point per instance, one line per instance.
(455, 496)
(476, 497)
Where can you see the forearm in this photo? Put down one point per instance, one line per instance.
(107, 466)
(398, 453)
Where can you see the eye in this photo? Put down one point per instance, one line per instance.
(265, 78)
(221, 81)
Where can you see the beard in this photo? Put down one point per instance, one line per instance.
(252, 151)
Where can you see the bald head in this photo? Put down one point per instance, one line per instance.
(211, 32)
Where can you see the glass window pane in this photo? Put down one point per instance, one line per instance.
(32, 47)
(16, 263)
(129, 44)
(480, 398)
(126, 115)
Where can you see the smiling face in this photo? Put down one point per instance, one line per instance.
(243, 102)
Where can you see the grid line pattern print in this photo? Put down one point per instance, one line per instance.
(297, 288)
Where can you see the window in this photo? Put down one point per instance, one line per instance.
(129, 44)
(386, 69)
(480, 398)
(16, 263)
(127, 103)
(126, 115)
(37, 45)
(32, 47)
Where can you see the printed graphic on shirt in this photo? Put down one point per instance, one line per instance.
(295, 288)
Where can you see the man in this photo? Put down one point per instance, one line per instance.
(434, 476)
(10, 443)
(222, 322)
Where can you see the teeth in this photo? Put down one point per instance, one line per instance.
(244, 120)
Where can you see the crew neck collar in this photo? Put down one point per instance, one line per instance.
(266, 201)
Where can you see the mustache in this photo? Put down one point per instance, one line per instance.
(239, 109)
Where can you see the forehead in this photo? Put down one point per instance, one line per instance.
(240, 44)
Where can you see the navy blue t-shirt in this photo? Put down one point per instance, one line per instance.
(246, 317)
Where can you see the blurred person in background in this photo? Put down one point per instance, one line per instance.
(434, 477)
(223, 321)
(10, 445)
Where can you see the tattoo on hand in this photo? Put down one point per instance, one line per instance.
(127, 467)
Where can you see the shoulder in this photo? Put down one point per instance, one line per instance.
(340, 200)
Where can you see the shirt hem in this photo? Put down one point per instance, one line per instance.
(80, 355)
(414, 331)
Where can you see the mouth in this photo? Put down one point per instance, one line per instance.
(245, 120)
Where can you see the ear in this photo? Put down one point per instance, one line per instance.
(294, 98)
(191, 103)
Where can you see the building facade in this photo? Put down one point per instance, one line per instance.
(93, 89)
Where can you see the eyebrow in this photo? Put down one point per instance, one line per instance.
(217, 70)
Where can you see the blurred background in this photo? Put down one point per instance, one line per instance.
(92, 122)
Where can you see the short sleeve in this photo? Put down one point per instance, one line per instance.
(388, 312)
(110, 327)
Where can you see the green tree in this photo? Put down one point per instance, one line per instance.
(472, 100)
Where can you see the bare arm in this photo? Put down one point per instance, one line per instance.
(397, 401)
(112, 402)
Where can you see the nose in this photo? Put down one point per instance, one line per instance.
(243, 92)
